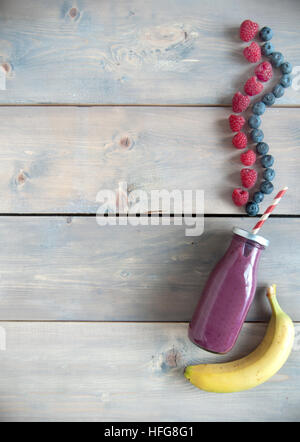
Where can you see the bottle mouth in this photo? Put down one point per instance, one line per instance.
(248, 235)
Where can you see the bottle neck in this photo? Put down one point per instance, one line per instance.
(250, 250)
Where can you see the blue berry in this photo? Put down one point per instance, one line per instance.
(286, 81)
(267, 161)
(266, 33)
(258, 197)
(269, 174)
(286, 68)
(267, 49)
(252, 208)
(254, 121)
(266, 187)
(269, 99)
(257, 135)
(278, 90)
(276, 59)
(259, 108)
(262, 148)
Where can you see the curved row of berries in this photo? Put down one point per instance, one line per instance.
(257, 135)
(263, 72)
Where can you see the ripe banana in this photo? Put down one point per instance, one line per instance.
(255, 368)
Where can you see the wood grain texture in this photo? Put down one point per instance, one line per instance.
(130, 372)
(56, 159)
(57, 268)
(117, 52)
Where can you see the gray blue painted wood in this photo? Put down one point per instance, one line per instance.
(133, 52)
(56, 159)
(130, 372)
(63, 268)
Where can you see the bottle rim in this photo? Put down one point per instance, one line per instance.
(248, 235)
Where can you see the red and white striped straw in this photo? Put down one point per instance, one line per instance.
(269, 210)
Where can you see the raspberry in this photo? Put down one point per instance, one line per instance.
(248, 158)
(264, 71)
(248, 30)
(253, 87)
(240, 196)
(240, 102)
(252, 53)
(236, 122)
(240, 140)
(248, 177)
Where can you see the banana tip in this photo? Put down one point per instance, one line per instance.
(186, 373)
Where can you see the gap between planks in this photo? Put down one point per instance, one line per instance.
(148, 215)
(72, 321)
(282, 106)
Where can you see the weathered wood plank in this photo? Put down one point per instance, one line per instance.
(129, 372)
(119, 52)
(57, 268)
(56, 159)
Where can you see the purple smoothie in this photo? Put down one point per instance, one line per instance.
(228, 294)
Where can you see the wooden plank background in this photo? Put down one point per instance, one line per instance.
(131, 372)
(56, 159)
(63, 268)
(133, 52)
(101, 92)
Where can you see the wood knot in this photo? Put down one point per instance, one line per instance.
(126, 142)
(73, 12)
(6, 67)
(171, 360)
(21, 178)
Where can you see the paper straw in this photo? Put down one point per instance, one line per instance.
(269, 210)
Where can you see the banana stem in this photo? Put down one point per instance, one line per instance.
(271, 291)
(271, 294)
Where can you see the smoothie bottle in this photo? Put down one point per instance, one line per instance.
(228, 294)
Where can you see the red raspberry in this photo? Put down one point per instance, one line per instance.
(264, 71)
(248, 177)
(248, 30)
(248, 158)
(252, 53)
(236, 122)
(240, 196)
(253, 87)
(240, 140)
(240, 102)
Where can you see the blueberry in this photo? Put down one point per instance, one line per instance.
(278, 90)
(262, 148)
(266, 33)
(267, 161)
(257, 135)
(259, 108)
(267, 49)
(258, 197)
(286, 68)
(252, 208)
(286, 80)
(254, 121)
(266, 187)
(269, 174)
(276, 59)
(269, 99)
